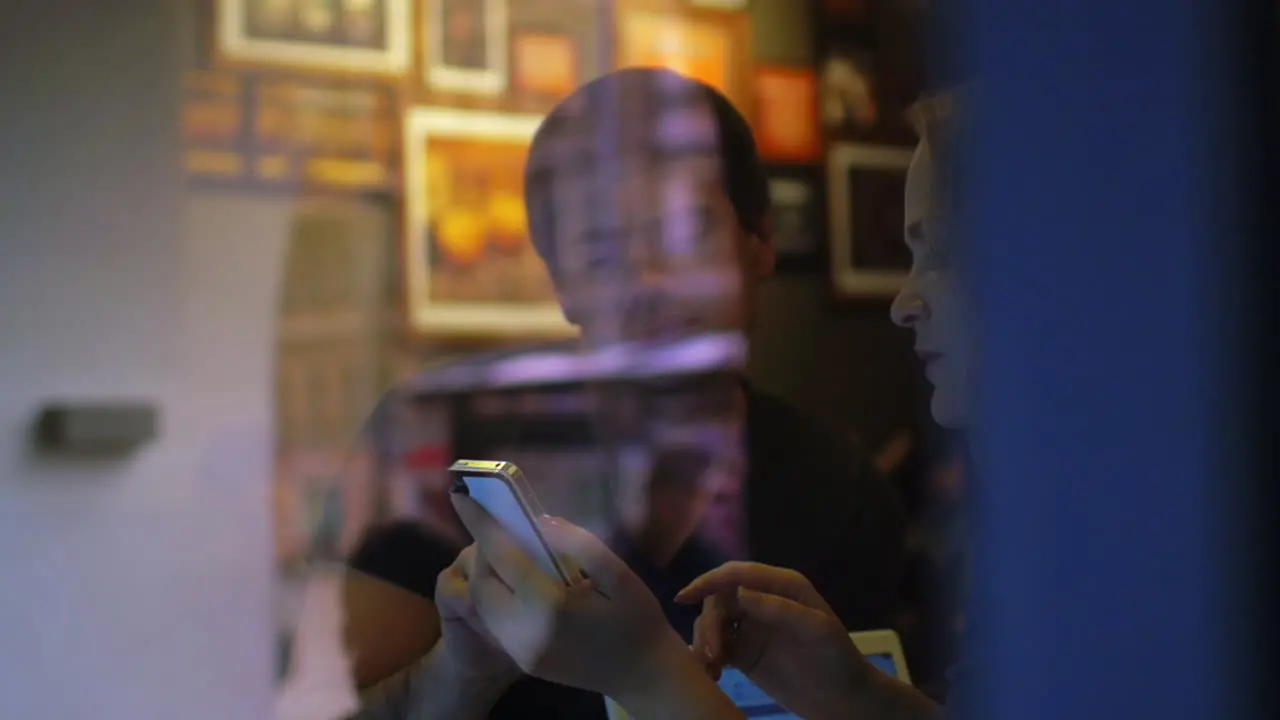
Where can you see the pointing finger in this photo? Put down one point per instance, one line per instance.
(755, 576)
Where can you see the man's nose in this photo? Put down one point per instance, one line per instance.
(647, 304)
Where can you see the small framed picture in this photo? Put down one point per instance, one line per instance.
(471, 269)
(710, 47)
(466, 46)
(787, 126)
(850, 97)
(544, 63)
(871, 73)
(865, 188)
(797, 209)
(719, 4)
(555, 47)
(362, 36)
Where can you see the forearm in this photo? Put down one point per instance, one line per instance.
(431, 689)
(885, 698)
(675, 687)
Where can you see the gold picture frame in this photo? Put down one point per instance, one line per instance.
(351, 36)
(473, 60)
(713, 47)
(470, 267)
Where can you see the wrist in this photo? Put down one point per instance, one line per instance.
(468, 685)
(852, 698)
(871, 693)
(669, 683)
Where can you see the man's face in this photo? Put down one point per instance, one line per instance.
(647, 244)
(930, 302)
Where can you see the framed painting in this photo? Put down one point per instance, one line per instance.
(710, 47)
(865, 187)
(851, 102)
(332, 133)
(471, 269)
(871, 72)
(466, 46)
(544, 63)
(787, 126)
(214, 126)
(797, 208)
(356, 36)
(719, 4)
(555, 47)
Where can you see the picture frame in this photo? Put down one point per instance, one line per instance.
(735, 5)
(214, 127)
(314, 131)
(710, 46)
(798, 200)
(871, 70)
(470, 268)
(347, 36)
(544, 63)
(555, 47)
(466, 46)
(865, 189)
(787, 125)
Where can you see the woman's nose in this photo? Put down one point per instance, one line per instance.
(909, 308)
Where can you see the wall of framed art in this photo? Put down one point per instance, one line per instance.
(314, 98)
(354, 36)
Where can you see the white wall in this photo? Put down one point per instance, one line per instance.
(140, 588)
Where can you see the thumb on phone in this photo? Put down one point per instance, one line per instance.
(605, 569)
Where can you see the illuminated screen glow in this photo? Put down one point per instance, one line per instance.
(754, 703)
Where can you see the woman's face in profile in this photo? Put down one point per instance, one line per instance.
(930, 303)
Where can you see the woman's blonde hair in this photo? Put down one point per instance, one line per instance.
(940, 120)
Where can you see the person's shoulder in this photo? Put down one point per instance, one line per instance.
(451, 375)
(784, 428)
(403, 553)
(470, 371)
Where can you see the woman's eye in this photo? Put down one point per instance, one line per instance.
(937, 258)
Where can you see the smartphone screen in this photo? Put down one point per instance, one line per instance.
(498, 498)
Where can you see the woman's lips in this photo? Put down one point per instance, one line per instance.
(929, 358)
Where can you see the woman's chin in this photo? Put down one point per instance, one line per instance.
(948, 410)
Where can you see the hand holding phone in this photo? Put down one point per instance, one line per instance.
(500, 488)
(604, 633)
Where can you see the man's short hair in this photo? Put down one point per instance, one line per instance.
(632, 103)
(405, 554)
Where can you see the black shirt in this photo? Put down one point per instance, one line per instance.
(814, 503)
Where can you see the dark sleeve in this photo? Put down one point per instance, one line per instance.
(404, 554)
(874, 535)
(822, 508)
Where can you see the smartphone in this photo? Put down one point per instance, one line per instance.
(500, 488)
